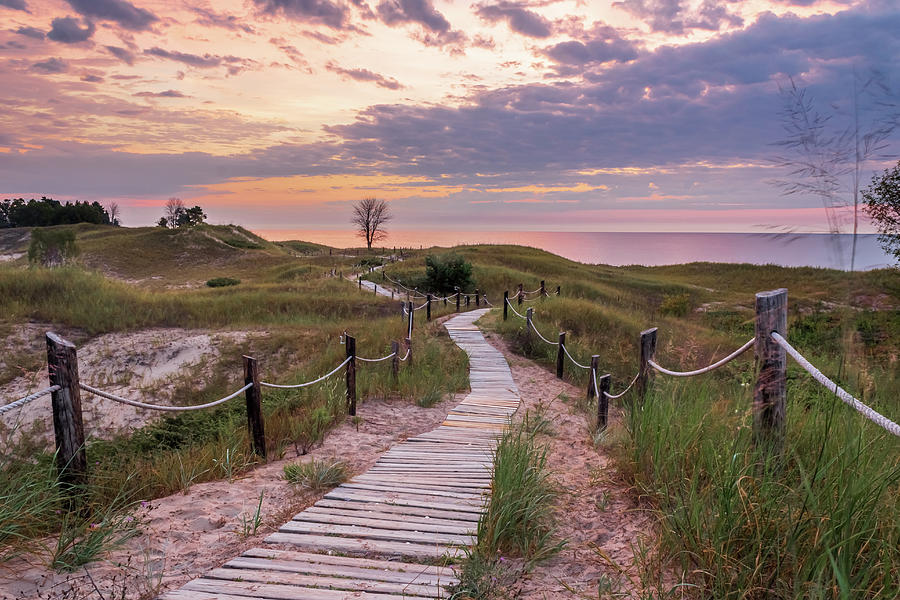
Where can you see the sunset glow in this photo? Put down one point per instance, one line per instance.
(640, 115)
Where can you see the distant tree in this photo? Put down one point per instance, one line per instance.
(163, 222)
(369, 217)
(172, 210)
(190, 217)
(882, 198)
(47, 211)
(51, 247)
(445, 273)
(112, 209)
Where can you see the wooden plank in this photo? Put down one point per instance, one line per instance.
(412, 490)
(254, 574)
(399, 499)
(363, 563)
(279, 592)
(419, 537)
(397, 509)
(363, 546)
(407, 524)
(388, 520)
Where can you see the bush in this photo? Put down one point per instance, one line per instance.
(677, 305)
(317, 474)
(222, 281)
(51, 247)
(446, 272)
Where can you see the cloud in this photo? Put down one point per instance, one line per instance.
(92, 78)
(15, 4)
(393, 12)
(213, 19)
(520, 19)
(31, 32)
(51, 65)
(673, 16)
(165, 94)
(67, 31)
(323, 12)
(603, 45)
(366, 75)
(205, 61)
(119, 11)
(122, 54)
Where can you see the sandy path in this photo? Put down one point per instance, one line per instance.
(596, 511)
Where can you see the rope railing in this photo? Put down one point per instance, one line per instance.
(866, 411)
(406, 355)
(374, 360)
(160, 407)
(23, 401)
(706, 369)
(423, 305)
(575, 362)
(623, 392)
(308, 383)
(541, 336)
(517, 313)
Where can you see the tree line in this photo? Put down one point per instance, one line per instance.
(16, 212)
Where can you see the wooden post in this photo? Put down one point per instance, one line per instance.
(603, 402)
(445, 300)
(374, 288)
(350, 342)
(591, 390)
(477, 298)
(467, 301)
(528, 314)
(648, 350)
(427, 307)
(505, 304)
(392, 293)
(359, 279)
(409, 347)
(68, 426)
(557, 290)
(457, 300)
(543, 290)
(560, 354)
(395, 361)
(409, 326)
(383, 276)
(521, 295)
(771, 364)
(255, 425)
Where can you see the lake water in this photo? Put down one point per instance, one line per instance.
(614, 248)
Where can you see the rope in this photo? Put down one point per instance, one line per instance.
(594, 377)
(308, 383)
(408, 350)
(861, 408)
(577, 364)
(376, 359)
(14, 405)
(715, 365)
(623, 392)
(533, 291)
(416, 292)
(514, 310)
(514, 296)
(424, 304)
(109, 396)
(488, 302)
(532, 300)
(542, 337)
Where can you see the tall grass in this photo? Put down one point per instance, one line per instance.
(821, 522)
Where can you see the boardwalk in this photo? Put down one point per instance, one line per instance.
(418, 504)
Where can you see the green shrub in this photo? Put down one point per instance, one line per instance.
(677, 305)
(222, 282)
(52, 247)
(444, 273)
(317, 474)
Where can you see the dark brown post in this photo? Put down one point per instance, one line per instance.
(445, 300)
(543, 290)
(350, 342)
(557, 290)
(68, 426)
(383, 276)
(592, 391)
(457, 300)
(771, 364)
(528, 315)
(359, 279)
(427, 307)
(521, 295)
(395, 361)
(648, 350)
(505, 304)
(467, 301)
(559, 354)
(409, 347)
(255, 426)
(477, 298)
(603, 402)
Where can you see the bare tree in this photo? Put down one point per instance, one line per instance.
(173, 210)
(369, 217)
(112, 209)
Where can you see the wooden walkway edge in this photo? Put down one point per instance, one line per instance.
(408, 516)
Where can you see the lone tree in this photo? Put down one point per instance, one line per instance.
(177, 215)
(369, 217)
(882, 198)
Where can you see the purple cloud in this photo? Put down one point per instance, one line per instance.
(122, 54)
(393, 12)
(15, 4)
(520, 19)
(119, 11)
(324, 12)
(67, 31)
(51, 65)
(213, 19)
(31, 32)
(165, 94)
(195, 60)
(92, 78)
(672, 16)
(365, 75)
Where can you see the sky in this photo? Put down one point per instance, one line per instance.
(557, 115)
